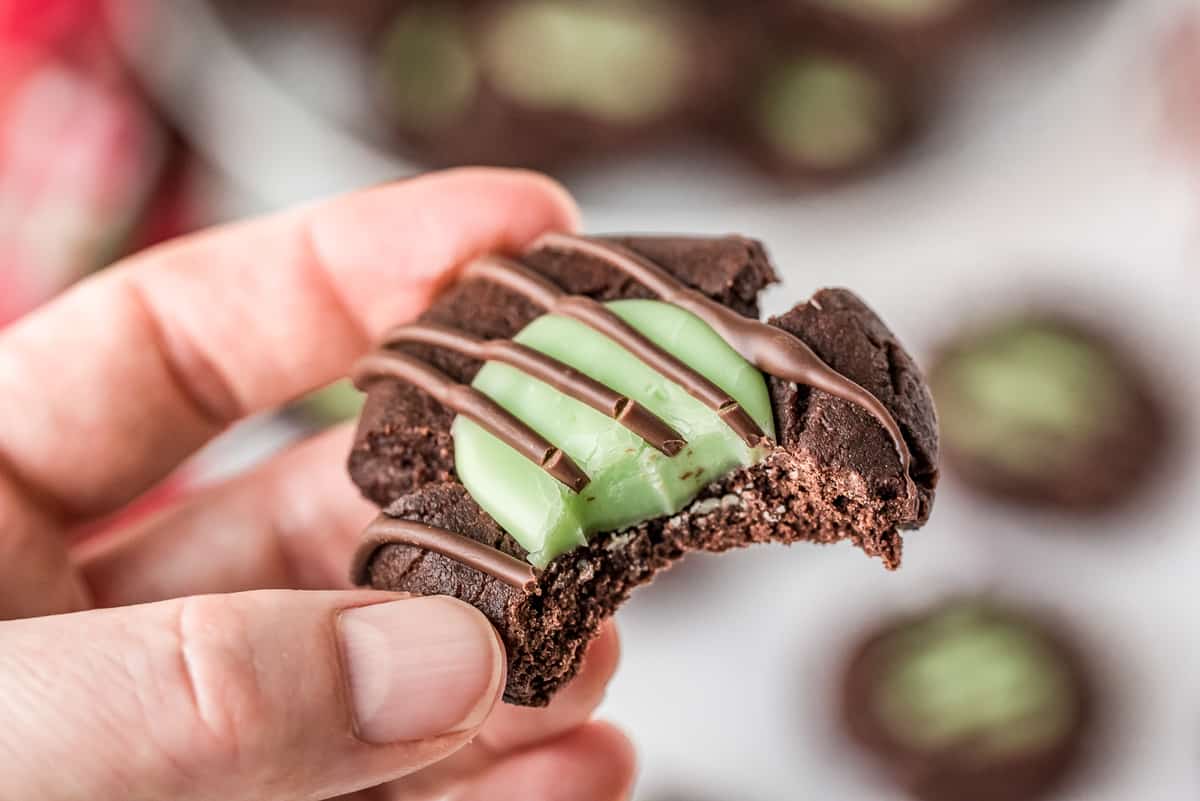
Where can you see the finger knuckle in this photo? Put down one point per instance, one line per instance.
(229, 703)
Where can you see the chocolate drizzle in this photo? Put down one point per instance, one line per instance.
(475, 406)
(770, 349)
(540, 292)
(562, 377)
(386, 530)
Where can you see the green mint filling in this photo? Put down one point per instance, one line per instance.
(1025, 394)
(895, 10)
(336, 402)
(630, 480)
(825, 112)
(618, 63)
(427, 73)
(973, 679)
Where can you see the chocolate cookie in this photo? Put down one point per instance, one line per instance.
(969, 700)
(542, 83)
(925, 33)
(1043, 410)
(820, 103)
(630, 425)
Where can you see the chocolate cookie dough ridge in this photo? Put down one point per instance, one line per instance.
(386, 530)
(770, 349)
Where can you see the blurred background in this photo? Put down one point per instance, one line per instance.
(956, 162)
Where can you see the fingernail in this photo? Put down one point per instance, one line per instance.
(420, 668)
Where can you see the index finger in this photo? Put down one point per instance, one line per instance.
(122, 378)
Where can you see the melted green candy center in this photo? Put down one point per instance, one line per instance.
(824, 112)
(975, 681)
(630, 480)
(1021, 393)
(620, 63)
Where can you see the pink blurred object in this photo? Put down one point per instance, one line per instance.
(81, 154)
(174, 489)
(1179, 77)
(45, 23)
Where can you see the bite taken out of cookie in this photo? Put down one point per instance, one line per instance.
(562, 425)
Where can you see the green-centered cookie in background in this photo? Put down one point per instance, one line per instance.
(970, 699)
(630, 480)
(893, 11)
(622, 63)
(825, 112)
(1043, 408)
(427, 72)
(975, 681)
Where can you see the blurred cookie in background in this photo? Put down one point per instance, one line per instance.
(825, 109)
(1040, 409)
(969, 700)
(819, 90)
(544, 83)
(924, 32)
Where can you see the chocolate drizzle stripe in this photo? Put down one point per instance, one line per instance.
(386, 530)
(475, 406)
(523, 281)
(560, 376)
(771, 349)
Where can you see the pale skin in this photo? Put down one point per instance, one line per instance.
(216, 650)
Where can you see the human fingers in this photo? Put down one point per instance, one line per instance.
(112, 385)
(514, 727)
(591, 763)
(511, 729)
(265, 695)
(291, 523)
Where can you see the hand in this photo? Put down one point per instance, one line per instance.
(225, 682)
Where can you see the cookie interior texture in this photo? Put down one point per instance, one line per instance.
(835, 474)
(630, 479)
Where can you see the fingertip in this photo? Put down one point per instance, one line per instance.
(604, 737)
(621, 759)
(562, 211)
(386, 251)
(586, 691)
(420, 668)
(513, 727)
(570, 217)
(594, 762)
(604, 653)
(603, 759)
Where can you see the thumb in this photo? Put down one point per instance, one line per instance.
(264, 695)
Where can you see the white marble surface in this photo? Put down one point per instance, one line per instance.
(1047, 180)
